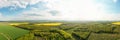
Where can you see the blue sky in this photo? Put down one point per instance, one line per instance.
(60, 10)
(112, 6)
(14, 10)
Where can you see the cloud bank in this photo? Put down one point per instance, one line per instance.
(62, 10)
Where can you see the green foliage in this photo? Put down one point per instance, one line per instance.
(26, 26)
(27, 37)
(82, 35)
(47, 35)
(104, 36)
(66, 35)
(117, 30)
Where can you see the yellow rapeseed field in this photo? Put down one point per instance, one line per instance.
(17, 24)
(116, 23)
(48, 24)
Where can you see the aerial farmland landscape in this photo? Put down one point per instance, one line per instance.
(59, 19)
(91, 30)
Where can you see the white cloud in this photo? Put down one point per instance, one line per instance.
(34, 14)
(82, 10)
(115, 1)
(19, 3)
(0, 15)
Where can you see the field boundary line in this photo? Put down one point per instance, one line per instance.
(5, 36)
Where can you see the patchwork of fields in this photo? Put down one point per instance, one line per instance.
(60, 31)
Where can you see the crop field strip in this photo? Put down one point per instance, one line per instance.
(7, 37)
(10, 32)
(2, 37)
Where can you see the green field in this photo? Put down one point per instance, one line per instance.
(10, 32)
(3, 37)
